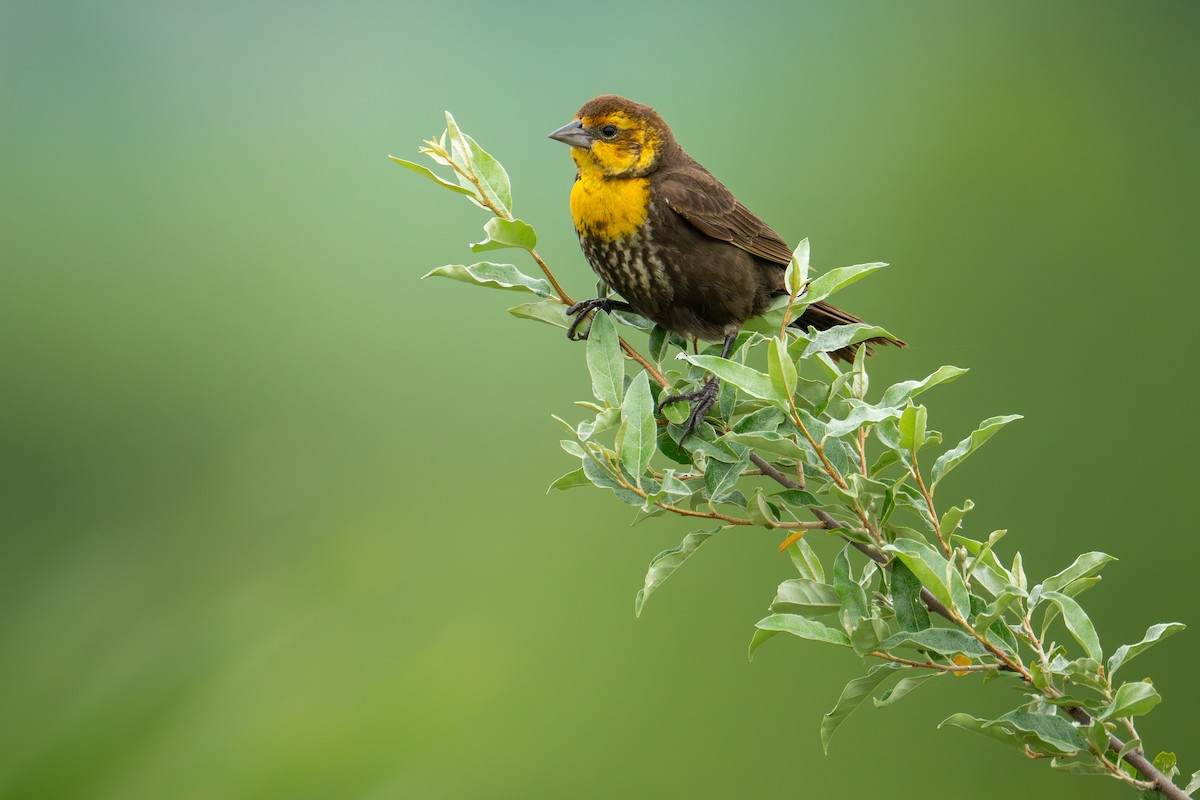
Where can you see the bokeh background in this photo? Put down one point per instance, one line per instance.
(273, 511)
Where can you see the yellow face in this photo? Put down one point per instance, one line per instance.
(623, 145)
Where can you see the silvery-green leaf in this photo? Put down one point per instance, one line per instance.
(638, 430)
(666, 562)
(1078, 623)
(1084, 566)
(748, 379)
(903, 687)
(572, 479)
(852, 696)
(803, 596)
(806, 561)
(946, 641)
(837, 279)
(899, 394)
(930, 567)
(605, 362)
(841, 336)
(433, 176)
(1132, 700)
(799, 626)
(502, 233)
(956, 455)
(781, 369)
(911, 614)
(1155, 634)
(501, 276)
(549, 311)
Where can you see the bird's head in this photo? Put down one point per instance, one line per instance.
(617, 137)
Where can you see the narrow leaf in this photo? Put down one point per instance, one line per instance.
(1086, 565)
(433, 176)
(955, 456)
(1155, 634)
(501, 276)
(666, 562)
(1078, 623)
(605, 362)
(549, 311)
(945, 641)
(911, 614)
(852, 696)
(745, 378)
(802, 627)
(903, 687)
(837, 279)
(806, 562)
(638, 429)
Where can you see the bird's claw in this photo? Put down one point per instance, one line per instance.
(605, 304)
(702, 400)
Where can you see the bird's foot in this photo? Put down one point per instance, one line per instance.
(702, 400)
(605, 304)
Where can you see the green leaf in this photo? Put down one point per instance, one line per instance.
(953, 518)
(984, 727)
(502, 233)
(768, 443)
(501, 276)
(1085, 766)
(781, 368)
(912, 429)
(1078, 623)
(749, 380)
(1046, 732)
(804, 596)
(898, 394)
(806, 561)
(549, 311)
(955, 456)
(1132, 700)
(637, 432)
(799, 626)
(666, 562)
(946, 641)
(1084, 566)
(840, 336)
(852, 696)
(492, 177)
(600, 477)
(853, 596)
(605, 362)
(569, 481)
(1155, 634)
(931, 569)
(433, 176)
(837, 279)
(1193, 784)
(860, 414)
(911, 614)
(796, 274)
(903, 687)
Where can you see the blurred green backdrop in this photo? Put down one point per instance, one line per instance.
(273, 511)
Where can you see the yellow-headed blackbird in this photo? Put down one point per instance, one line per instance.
(670, 238)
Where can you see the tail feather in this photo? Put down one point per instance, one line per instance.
(822, 316)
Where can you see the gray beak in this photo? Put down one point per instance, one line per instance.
(573, 134)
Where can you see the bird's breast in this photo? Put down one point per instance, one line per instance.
(609, 208)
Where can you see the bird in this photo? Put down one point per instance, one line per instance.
(672, 240)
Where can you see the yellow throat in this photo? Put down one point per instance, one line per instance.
(609, 208)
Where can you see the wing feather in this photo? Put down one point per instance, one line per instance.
(694, 194)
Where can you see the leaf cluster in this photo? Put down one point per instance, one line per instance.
(801, 446)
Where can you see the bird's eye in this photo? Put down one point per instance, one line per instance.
(608, 131)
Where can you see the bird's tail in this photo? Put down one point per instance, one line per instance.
(822, 316)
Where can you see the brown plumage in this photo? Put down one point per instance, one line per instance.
(669, 237)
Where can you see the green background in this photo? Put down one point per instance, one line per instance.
(273, 511)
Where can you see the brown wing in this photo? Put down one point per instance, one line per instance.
(692, 192)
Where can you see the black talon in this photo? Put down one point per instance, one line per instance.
(605, 304)
(702, 400)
